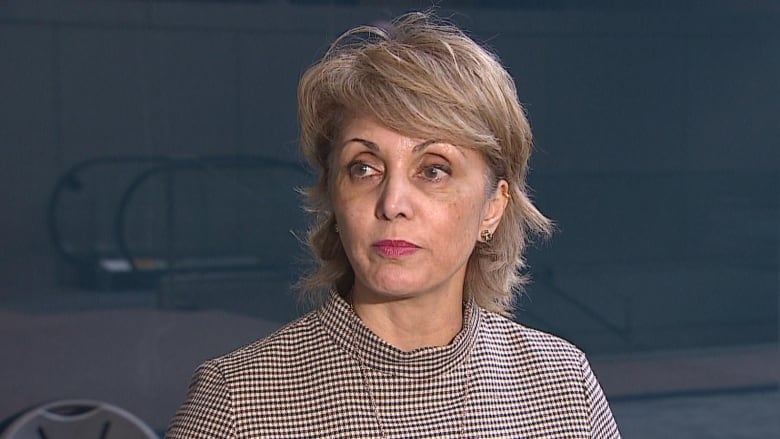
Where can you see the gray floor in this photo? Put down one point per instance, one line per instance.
(741, 415)
(135, 367)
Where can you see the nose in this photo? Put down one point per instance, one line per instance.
(395, 198)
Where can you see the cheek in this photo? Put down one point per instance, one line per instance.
(467, 208)
(345, 204)
(461, 221)
(354, 228)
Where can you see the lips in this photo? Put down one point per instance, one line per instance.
(395, 248)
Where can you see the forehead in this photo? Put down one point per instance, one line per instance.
(375, 136)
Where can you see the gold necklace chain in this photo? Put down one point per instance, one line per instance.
(364, 371)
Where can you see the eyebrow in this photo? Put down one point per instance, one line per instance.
(374, 147)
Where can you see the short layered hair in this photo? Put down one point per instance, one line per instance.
(427, 79)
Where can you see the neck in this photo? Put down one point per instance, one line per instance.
(413, 322)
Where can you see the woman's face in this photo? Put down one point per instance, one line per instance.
(409, 211)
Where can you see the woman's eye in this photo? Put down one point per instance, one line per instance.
(436, 172)
(361, 169)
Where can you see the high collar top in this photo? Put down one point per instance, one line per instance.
(348, 331)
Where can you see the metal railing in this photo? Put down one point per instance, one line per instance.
(209, 168)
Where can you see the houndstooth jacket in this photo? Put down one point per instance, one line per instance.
(326, 375)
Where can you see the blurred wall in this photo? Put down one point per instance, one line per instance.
(656, 130)
(657, 155)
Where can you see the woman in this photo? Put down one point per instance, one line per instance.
(421, 218)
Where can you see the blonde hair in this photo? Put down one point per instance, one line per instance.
(425, 79)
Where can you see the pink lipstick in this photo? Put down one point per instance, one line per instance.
(394, 247)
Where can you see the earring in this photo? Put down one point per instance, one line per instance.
(336, 228)
(486, 235)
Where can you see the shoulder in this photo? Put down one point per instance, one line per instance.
(548, 367)
(529, 346)
(289, 346)
(226, 392)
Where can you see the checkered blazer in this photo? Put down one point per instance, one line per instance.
(326, 375)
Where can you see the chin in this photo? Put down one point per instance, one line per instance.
(394, 289)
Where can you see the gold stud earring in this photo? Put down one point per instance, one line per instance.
(486, 235)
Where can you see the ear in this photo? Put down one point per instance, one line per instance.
(495, 207)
